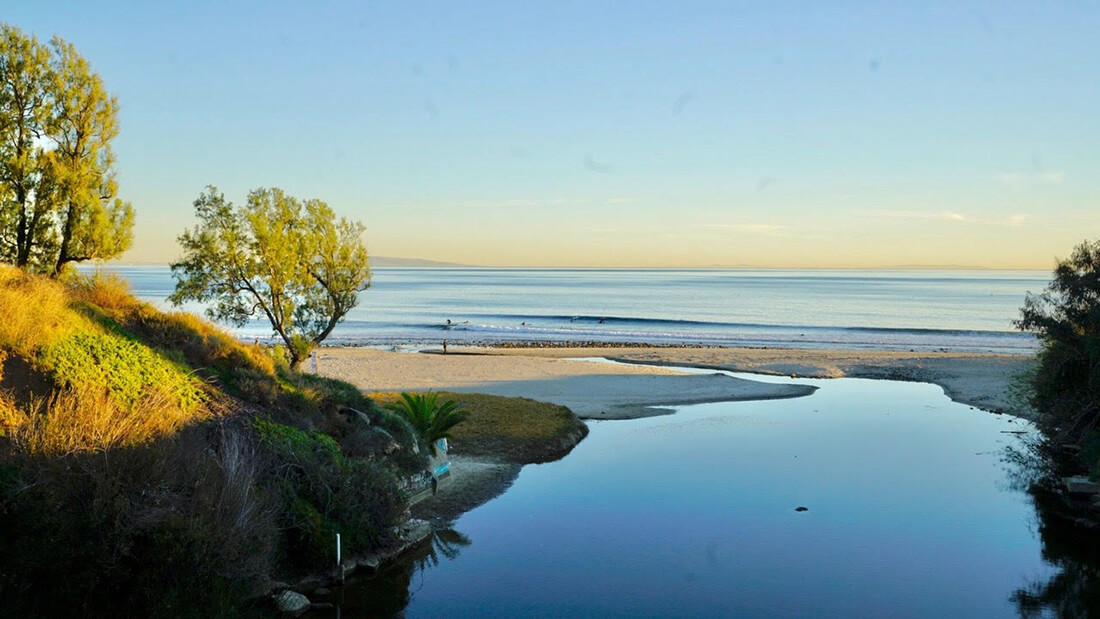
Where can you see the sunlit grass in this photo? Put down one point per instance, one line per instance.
(511, 429)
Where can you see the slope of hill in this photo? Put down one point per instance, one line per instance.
(153, 465)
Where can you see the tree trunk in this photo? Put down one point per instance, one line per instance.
(66, 237)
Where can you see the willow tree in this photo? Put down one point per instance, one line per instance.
(58, 195)
(284, 259)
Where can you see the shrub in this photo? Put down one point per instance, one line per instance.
(432, 421)
(1066, 317)
(325, 493)
(104, 290)
(124, 367)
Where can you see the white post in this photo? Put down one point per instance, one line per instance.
(338, 562)
(313, 358)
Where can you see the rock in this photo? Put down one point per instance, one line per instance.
(1081, 485)
(415, 530)
(291, 602)
(369, 562)
(802, 508)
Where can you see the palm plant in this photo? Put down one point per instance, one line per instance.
(431, 420)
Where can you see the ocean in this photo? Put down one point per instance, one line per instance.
(920, 310)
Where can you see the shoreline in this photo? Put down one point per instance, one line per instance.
(982, 380)
(644, 383)
(591, 389)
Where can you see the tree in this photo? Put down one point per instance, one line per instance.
(1066, 317)
(432, 421)
(290, 261)
(26, 80)
(58, 201)
(94, 223)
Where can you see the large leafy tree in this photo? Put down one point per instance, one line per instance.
(1066, 317)
(94, 222)
(58, 201)
(26, 81)
(287, 260)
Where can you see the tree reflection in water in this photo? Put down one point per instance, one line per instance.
(1075, 550)
(387, 593)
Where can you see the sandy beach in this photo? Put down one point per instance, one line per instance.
(597, 390)
(592, 389)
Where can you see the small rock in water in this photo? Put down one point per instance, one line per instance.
(291, 601)
(802, 508)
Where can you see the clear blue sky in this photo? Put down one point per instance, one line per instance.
(616, 133)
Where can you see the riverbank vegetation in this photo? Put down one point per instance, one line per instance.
(152, 465)
(1066, 381)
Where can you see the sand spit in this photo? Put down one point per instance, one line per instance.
(591, 389)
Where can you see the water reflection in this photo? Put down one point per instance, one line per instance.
(387, 593)
(910, 514)
(1074, 591)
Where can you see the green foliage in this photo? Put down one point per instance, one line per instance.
(1066, 317)
(431, 420)
(309, 450)
(124, 367)
(58, 201)
(326, 493)
(290, 261)
(175, 528)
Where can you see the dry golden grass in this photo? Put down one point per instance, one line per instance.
(88, 420)
(34, 310)
(107, 291)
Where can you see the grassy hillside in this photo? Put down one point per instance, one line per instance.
(152, 465)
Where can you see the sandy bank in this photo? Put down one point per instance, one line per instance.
(472, 482)
(986, 381)
(591, 389)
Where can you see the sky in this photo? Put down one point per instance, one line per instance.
(639, 134)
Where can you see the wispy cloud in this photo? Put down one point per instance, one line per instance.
(518, 203)
(942, 215)
(745, 228)
(1017, 180)
(1012, 220)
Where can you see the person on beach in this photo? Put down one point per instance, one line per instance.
(444, 346)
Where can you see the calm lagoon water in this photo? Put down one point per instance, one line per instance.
(911, 514)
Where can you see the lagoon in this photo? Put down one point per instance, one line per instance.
(911, 513)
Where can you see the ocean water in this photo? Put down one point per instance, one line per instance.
(920, 310)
